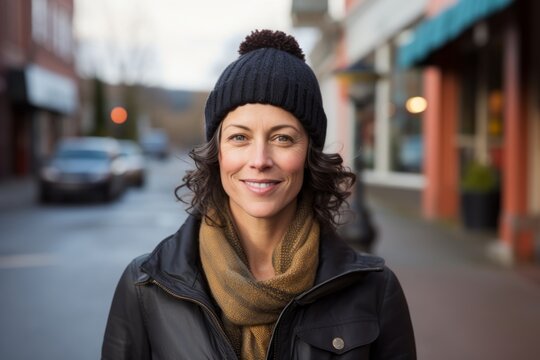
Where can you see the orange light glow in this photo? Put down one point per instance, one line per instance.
(119, 115)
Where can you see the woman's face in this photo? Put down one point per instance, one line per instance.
(262, 153)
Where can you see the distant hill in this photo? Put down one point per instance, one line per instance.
(179, 112)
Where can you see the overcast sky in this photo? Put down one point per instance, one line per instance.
(186, 44)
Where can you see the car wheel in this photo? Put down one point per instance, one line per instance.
(106, 193)
(140, 181)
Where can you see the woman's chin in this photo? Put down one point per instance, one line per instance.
(261, 211)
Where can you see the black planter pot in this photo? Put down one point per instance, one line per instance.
(480, 211)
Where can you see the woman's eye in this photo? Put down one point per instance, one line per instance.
(284, 139)
(237, 137)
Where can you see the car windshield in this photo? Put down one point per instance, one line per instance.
(81, 154)
(155, 138)
(129, 150)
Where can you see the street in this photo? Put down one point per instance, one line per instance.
(59, 263)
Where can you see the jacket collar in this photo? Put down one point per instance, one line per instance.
(175, 262)
(336, 258)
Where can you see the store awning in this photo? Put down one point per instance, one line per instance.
(42, 88)
(435, 32)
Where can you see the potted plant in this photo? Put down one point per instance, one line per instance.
(480, 197)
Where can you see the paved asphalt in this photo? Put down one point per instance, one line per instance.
(59, 263)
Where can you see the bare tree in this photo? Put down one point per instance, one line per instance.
(125, 57)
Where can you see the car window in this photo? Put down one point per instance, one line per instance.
(68, 154)
(129, 150)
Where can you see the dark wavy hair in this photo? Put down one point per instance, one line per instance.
(325, 179)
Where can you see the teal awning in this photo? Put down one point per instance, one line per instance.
(434, 32)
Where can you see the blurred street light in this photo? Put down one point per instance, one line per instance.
(119, 115)
(416, 104)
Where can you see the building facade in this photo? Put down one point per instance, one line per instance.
(367, 96)
(434, 88)
(481, 79)
(38, 83)
(388, 131)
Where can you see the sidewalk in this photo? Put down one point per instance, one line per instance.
(17, 192)
(463, 305)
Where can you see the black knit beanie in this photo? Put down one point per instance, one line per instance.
(270, 70)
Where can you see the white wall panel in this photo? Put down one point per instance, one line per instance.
(375, 21)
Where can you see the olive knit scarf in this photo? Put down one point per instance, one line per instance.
(250, 307)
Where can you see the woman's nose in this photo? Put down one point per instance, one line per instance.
(260, 157)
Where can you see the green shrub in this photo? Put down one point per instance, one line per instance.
(479, 178)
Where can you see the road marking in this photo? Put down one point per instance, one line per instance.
(27, 260)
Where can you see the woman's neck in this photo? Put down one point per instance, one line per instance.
(260, 236)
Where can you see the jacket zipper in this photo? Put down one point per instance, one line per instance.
(310, 291)
(214, 317)
(276, 331)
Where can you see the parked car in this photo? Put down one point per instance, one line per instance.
(81, 167)
(135, 162)
(156, 143)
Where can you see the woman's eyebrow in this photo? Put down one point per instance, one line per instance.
(238, 126)
(273, 128)
(283, 126)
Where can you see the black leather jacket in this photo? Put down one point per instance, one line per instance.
(162, 309)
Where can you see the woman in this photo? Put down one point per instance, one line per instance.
(257, 270)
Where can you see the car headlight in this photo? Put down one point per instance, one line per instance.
(118, 167)
(50, 173)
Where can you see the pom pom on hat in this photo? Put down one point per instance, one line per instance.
(259, 39)
(271, 70)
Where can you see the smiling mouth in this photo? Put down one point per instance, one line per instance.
(260, 185)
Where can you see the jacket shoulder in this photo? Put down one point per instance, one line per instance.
(371, 260)
(134, 272)
(125, 334)
(176, 252)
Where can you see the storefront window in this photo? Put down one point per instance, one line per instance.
(365, 134)
(40, 25)
(467, 123)
(481, 108)
(406, 108)
(361, 92)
